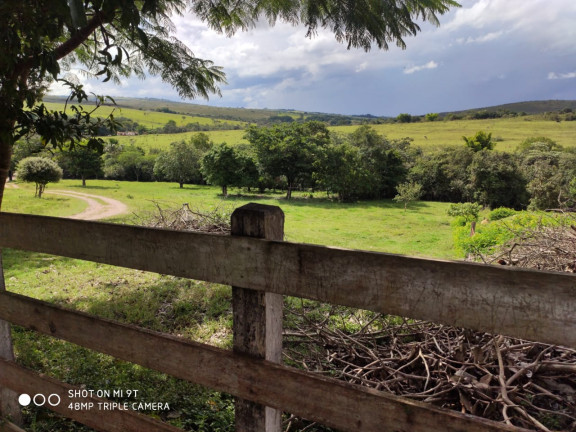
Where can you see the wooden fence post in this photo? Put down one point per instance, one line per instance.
(9, 407)
(257, 316)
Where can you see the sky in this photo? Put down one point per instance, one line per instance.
(487, 52)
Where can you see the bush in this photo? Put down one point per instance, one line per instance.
(39, 170)
(489, 237)
(501, 213)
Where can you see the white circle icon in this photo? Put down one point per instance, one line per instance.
(24, 399)
(54, 399)
(39, 397)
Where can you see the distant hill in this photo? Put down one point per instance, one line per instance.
(530, 107)
(271, 116)
(251, 115)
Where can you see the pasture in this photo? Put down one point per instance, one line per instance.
(155, 119)
(507, 132)
(197, 310)
(423, 230)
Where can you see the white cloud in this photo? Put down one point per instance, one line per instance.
(490, 52)
(430, 65)
(555, 76)
(483, 38)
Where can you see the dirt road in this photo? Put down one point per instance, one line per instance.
(99, 207)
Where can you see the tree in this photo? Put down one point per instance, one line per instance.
(224, 166)
(480, 141)
(289, 150)
(408, 192)
(497, 181)
(40, 171)
(340, 170)
(432, 116)
(117, 38)
(543, 144)
(404, 118)
(468, 212)
(180, 164)
(548, 171)
(384, 160)
(444, 175)
(83, 162)
(136, 164)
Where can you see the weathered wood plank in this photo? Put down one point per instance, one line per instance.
(6, 426)
(108, 420)
(341, 405)
(9, 407)
(257, 316)
(516, 302)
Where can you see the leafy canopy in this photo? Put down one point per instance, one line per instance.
(41, 39)
(116, 38)
(39, 170)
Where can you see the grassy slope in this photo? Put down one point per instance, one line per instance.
(511, 131)
(427, 135)
(153, 119)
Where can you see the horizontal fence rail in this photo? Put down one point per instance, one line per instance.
(522, 303)
(334, 403)
(26, 381)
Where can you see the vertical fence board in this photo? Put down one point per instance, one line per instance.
(9, 406)
(257, 316)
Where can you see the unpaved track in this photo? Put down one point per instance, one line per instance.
(99, 207)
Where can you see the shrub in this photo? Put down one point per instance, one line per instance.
(489, 237)
(501, 213)
(39, 170)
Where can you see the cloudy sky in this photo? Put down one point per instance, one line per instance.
(487, 52)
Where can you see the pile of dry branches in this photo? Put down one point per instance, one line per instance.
(522, 383)
(215, 221)
(541, 247)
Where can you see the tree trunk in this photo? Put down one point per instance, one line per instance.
(5, 154)
(225, 190)
(8, 399)
(289, 190)
(181, 185)
(83, 180)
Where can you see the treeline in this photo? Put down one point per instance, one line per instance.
(565, 114)
(129, 125)
(365, 165)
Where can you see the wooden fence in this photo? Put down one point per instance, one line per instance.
(521, 303)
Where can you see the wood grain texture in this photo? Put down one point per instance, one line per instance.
(334, 403)
(109, 420)
(257, 316)
(522, 303)
(9, 407)
(6, 426)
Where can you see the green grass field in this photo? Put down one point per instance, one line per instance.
(198, 310)
(423, 230)
(154, 119)
(163, 141)
(508, 132)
